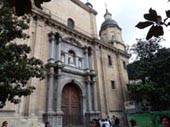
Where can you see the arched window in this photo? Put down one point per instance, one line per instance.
(71, 57)
(70, 23)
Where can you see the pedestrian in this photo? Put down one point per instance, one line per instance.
(117, 122)
(93, 123)
(107, 124)
(103, 123)
(109, 120)
(113, 121)
(4, 124)
(98, 122)
(47, 124)
(133, 123)
(165, 121)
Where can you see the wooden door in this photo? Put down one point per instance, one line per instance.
(70, 105)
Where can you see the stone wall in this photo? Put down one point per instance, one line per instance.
(21, 122)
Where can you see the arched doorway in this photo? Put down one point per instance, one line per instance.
(71, 105)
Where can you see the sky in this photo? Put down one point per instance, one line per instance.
(128, 13)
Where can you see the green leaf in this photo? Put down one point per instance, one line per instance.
(142, 25)
(155, 62)
(15, 66)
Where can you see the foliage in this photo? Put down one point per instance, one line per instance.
(152, 72)
(160, 68)
(16, 68)
(155, 21)
(145, 50)
(24, 6)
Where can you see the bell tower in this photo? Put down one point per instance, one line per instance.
(110, 32)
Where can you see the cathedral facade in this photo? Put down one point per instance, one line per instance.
(86, 75)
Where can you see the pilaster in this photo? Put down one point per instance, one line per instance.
(91, 63)
(58, 93)
(52, 41)
(89, 96)
(86, 59)
(50, 91)
(51, 66)
(95, 95)
(58, 46)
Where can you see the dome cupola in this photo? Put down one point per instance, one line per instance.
(110, 32)
(109, 22)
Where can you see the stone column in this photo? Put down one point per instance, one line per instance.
(32, 102)
(51, 72)
(58, 47)
(66, 58)
(91, 63)
(50, 91)
(52, 42)
(89, 96)
(86, 67)
(95, 95)
(50, 114)
(86, 60)
(58, 95)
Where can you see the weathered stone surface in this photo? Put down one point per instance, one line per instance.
(80, 40)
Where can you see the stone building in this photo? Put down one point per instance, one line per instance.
(86, 76)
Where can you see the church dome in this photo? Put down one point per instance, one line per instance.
(109, 22)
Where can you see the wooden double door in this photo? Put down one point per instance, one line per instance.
(71, 105)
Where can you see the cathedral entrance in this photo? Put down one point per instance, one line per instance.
(71, 105)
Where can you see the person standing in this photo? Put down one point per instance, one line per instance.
(107, 123)
(117, 121)
(165, 121)
(4, 124)
(109, 120)
(133, 123)
(47, 124)
(113, 121)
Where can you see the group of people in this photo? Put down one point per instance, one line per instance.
(107, 122)
(113, 122)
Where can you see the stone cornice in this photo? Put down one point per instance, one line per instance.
(111, 48)
(75, 33)
(72, 42)
(82, 5)
(73, 72)
(51, 21)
